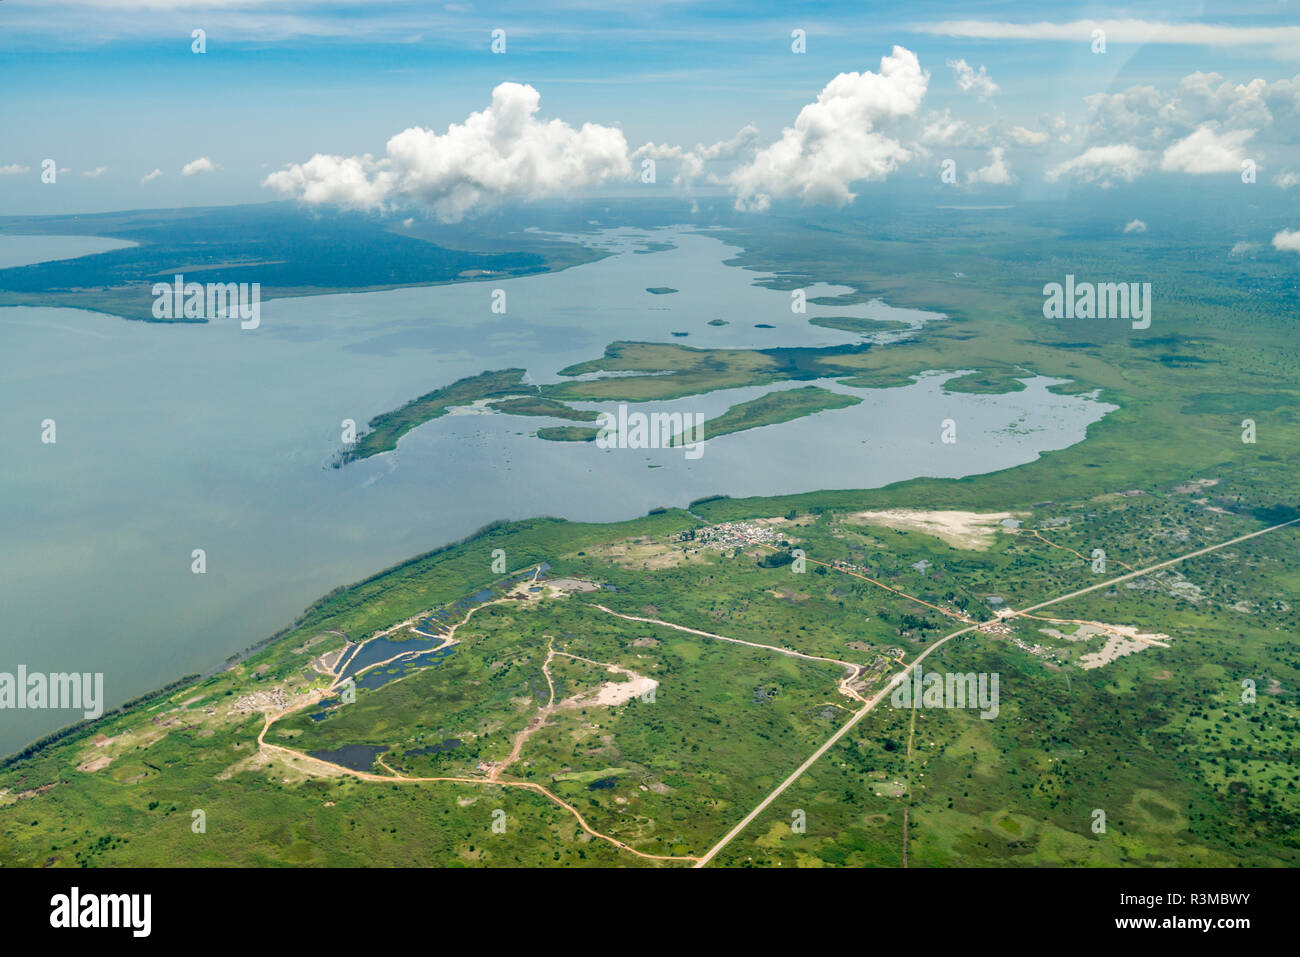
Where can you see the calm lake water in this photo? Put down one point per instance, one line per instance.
(175, 438)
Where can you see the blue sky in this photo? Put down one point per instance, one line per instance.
(111, 91)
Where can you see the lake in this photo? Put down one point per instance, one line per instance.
(183, 437)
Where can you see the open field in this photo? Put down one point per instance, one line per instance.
(1157, 738)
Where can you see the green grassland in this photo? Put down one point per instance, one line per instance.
(1186, 773)
(540, 405)
(780, 406)
(864, 327)
(705, 715)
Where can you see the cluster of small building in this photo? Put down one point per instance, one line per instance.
(734, 535)
(274, 700)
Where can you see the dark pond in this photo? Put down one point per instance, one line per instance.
(381, 649)
(358, 757)
(382, 676)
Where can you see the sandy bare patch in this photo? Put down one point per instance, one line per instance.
(1121, 640)
(1116, 647)
(296, 767)
(614, 693)
(7, 797)
(1195, 485)
(567, 585)
(969, 530)
(134, 740)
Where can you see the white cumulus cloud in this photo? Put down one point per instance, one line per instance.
(1287, 239)
(970, 80)
(1104, 163)
(943, 129)
(336, 180)
(1206, 152)
(996, 173)
(498, 153)
(1135, 226)
(1028, 137)
(13, 169)
(1286, 179)
(200, 165)
(837, 140)
(1203, 124)
(691, 163)
(150, 177)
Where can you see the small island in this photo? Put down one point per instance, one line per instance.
(386, 429)
(660, 290)
(862, 327)
(540, 405)
(568, 433)
(782, 405)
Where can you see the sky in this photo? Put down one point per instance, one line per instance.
(399, 106)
